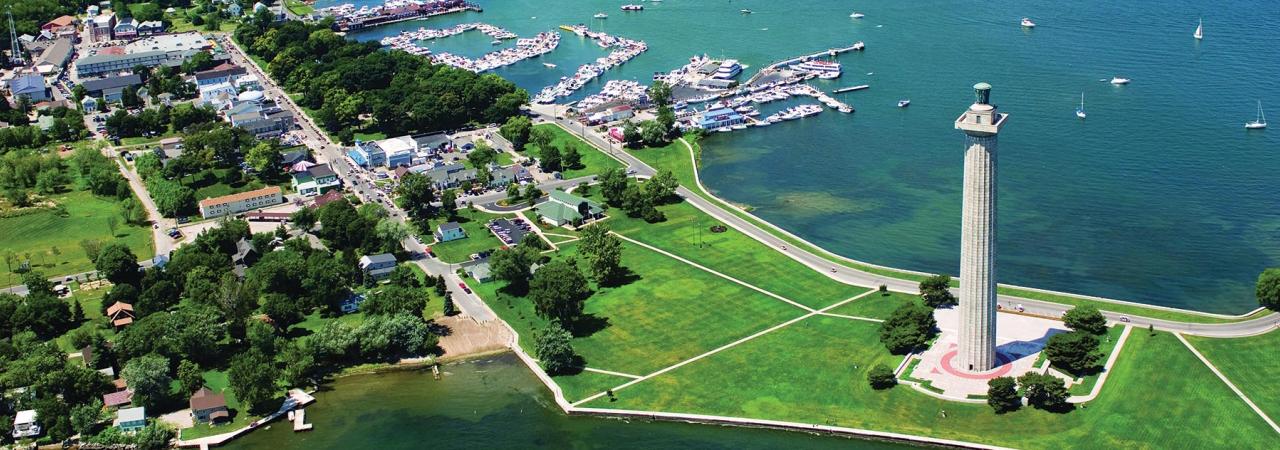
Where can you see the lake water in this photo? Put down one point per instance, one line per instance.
(494, 403)
(1160, 196)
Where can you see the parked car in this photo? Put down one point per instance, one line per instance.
(464, 287)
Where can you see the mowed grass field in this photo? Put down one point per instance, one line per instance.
(478, 239)
(876, 306)
(595, 161)
(1251, 363)
(687, 233)
(666, 313)
(40, 232)
(815, 372)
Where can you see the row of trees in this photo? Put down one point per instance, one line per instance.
(341, 80)
(639, 199)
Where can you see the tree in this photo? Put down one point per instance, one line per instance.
(299, 363)
(265, 159)
(155, 436)
(283, 310)
(936, 291)
(449, 202)
(572, 158)
(390, 232)
(1076, 352)
(532, 194)
(304, 218)
(133, 212)
(550, 160)
(513, 266)
(252, 379)
(1086, 318)
(85, 417)
(603, 252)
(190, 377)
(118, 264)
(559, 291)
(91, 247)
(660, 93)
(554, 348)
(613, 185)
(77, 312)
(1002, 395)
(881, 377)
(661, 188)
(394, 299)
(517, 130)
(416, 194)
(908, 328)
(1268, 289)
(148, 377)
(652, 134)
(1045, 392)
(541, 137)
(449, 308)
(37, 283)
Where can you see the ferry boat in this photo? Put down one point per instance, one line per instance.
(1120, 80)
(728, 69)
(633, 7)
(1027, 23)
(819, 66)
(904, 103)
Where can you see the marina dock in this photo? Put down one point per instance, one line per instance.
(857, 46)
(300, 421)
(851, 89)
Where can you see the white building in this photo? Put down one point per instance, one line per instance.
(219, 96)
(24, 424)
(238, 203)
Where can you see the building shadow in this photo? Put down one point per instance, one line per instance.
(1015, 350)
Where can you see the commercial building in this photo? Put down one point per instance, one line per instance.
(391, 152)
(178, 42)
(150, 27)
(563, 208)
(54, 57)
(223, 73)
(315, 180)
(125, 29)
(238, 203)
(101, 26)
(31, 86)
(62, 26)
(262, 119)
(719, 118)
(110, 88)
(103, 63)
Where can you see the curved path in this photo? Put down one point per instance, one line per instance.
(857, 277)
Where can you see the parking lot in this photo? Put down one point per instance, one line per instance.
(510, 232)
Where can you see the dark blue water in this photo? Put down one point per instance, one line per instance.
(1160, 196)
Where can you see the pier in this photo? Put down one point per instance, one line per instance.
(851, 89)
(857, 46)
(299, 418)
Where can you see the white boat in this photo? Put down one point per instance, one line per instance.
(723, 130)
(857, 15)
(1080, 111)
(740, 126)
(745, 11)
(829, 75)
(1260, 122)
(549, 65)
(1199, 34)
(1027, 23)
(1120, 80)
(904, 103)
(601, 16)
(633, 7)
(496, 42)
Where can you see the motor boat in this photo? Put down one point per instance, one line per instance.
(1120, 80)
(904, 103)
(1027, 23)
(601, 16)
(745, 11)
(857, 15)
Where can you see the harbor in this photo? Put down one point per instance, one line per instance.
(347, 17)
(623, 50)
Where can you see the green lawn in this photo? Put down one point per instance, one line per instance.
(214, 183)
(217, 382)
(731, 253)
(670, 312)
(677, 158)
(478, 239)
(181, 24)
(585, 384)
(1250, 363)
(1108, 345)
(38, 234)
(1159, 393)
(91, 304)
(595, 161)
(298, 7)
(876, 306)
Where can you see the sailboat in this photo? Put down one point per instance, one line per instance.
(1080, 111)
(1260, 122)
(1199, 34)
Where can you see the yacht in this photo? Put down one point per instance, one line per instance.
(857, 15)
(1120, 80)
(1080, 111)
(728, 69)
(1027, 23)
(819, 66)
(633, 7)
(601, 16)
(1260, 122)
(903, 103)
(828, 75)
(1199, 34)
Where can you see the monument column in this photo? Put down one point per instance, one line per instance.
(980, 124)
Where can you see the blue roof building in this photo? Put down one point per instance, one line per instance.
(718, 118)
(31, 86)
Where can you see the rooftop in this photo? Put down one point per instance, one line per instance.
(112, 82)
(169, 42)
(241, 196)
(378, 258)
(132, 414)
(205, 399)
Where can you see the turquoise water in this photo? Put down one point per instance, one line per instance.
(1159, 197)
(494, 404)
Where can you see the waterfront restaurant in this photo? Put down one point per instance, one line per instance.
(719, 118)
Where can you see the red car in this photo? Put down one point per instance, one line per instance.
(464, 287)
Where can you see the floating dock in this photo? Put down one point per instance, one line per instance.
(300, 421)
(851, 89)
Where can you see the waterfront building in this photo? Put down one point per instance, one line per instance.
(208, 407)
(131, 419)
(25, 424)
(238, 203)
(718, 118)
(315, 180)
(981, 124)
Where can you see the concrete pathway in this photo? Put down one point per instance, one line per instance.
(1106, 370)
(1231, 385)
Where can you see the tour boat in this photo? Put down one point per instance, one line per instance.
(601, 16)
(1199, 34)
(819, 66)
(857, 15)
(903, 103)
(1260, 122)
(1028, 23)
(1080, 111)
(1119, 81)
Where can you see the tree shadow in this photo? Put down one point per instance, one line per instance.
(298, 332)
(576, 367)
(626, 277)
(588, 324)
(439, 329)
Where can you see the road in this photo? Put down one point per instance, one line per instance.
(860, 278)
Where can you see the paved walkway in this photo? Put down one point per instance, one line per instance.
(1231, 385)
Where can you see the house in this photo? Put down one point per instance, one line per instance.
(563, 208)
(62, 26)
(450, 231)
(120, 314)
(503, 176)
(92, 10)
(25, 425)
(245, 256)
(111, 88)
(331, 196)
(222, 73)
(89, 104)
(123, 396)
(288, 159)
(479, 271)
(101, 27)
(315, 180)
(234, 9)
(125, 29)
(131, 419)
(238, 203)
(30, 86)
(378, 266)
(449, 176)
(150, 27)
(352, 303)
(208, 407)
